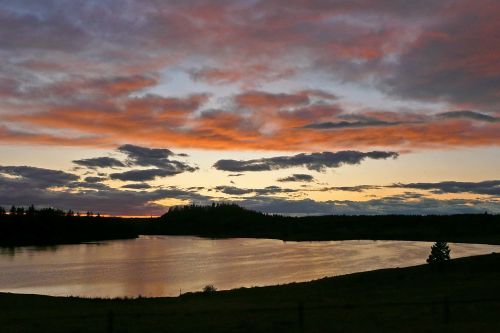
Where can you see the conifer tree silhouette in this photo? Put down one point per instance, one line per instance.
(440, 252)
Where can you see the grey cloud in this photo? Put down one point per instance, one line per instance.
(422, 206)
(157, 157)
(232, 190)
(357, 188)
(467, 114)
(144, 175)
(425, 68)
(144, 156)
(100, 162)
(408, 195)
(101, 198)
(347, 124)
(274, 205)
(313, 161)
(31, 31)
(269, 190)
(488, 187)
(140, 156)
(41, 179)
(197, 188)
(119, 202)
(461, 69)
(91, 179)
(37, 177)
(32, 188)
(297, 177)
(383, 206)
(369, 122)
(137, 186)
(89, 185)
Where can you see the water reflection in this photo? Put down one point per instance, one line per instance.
(162, 265)
(14, 250)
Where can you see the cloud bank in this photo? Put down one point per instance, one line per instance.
(68, 77)
(313, 161)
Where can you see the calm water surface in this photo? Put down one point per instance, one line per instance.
(166, 265)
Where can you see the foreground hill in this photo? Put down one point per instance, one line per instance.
(463, 296)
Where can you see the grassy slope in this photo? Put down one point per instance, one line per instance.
(399, 300)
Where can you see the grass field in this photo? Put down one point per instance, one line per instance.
(463, 296)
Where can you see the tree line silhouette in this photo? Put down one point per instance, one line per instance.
(27, 226)
(31, 211)
(49, 226)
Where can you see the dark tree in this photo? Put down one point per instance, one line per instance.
(209, 288)
(2, 211)
(31, 211)
(13, 210)
(20, 211)
(440, 252)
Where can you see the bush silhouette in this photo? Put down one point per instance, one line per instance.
(440, 252)
(209, 288)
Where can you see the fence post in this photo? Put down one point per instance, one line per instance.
(110, 321)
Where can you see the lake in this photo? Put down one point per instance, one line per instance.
(169, 265)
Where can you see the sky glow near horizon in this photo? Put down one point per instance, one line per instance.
(293, 107)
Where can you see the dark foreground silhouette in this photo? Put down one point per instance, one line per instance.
(48, 227)
(461, 296)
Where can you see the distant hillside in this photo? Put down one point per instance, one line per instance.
(230, 220)
(218, 219)
(224, 211)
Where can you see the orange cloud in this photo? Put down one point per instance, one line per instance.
(62, 84)
(154, 120)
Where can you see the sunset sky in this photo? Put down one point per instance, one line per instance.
(295, 107)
